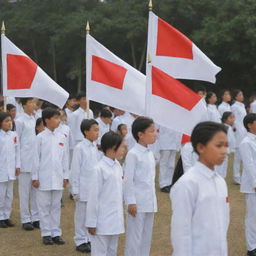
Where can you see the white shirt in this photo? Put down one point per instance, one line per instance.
(25, 128)
(200, 213)
(188, 156)
(238, 109)
(105, 202)
(9, 155)
(75, 121)
(139, 179)
(51, 160)
(231, 139)
(253, 107)
(247, 151)
(168, 139)
(68, 113)
(103, 128)
(85, 157)
(224, 107)
(38, 113)
(213, 113)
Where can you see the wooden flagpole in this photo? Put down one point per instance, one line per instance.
(87, 29)
(3, 33)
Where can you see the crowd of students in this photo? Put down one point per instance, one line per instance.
(110, 158)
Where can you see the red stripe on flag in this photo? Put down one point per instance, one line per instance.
(109, 73)
(21, 71)
(171, 89)
(172, 43)
(185, 138)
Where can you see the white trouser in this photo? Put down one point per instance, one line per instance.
(81, 233)
(27, 193)
(222, 169)
(104, 245)
(139, 234)
(6, 196)
(167, 164)
(237, 167)
(49, 211)
(250, 221)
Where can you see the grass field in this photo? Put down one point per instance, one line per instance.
(16, 242)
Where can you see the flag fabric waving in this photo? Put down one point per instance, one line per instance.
(111, 81)
(177, 55)
(22, 77)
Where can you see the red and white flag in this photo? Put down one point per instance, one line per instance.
(111, 81)
(22, 77)
(177, 55)
(172, 104)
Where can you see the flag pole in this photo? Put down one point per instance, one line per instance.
(3, 33)
(87, 29)
(150, 5)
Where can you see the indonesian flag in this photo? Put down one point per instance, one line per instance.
(22, 77)
(111, 81)
(172, 104)
(177, 55)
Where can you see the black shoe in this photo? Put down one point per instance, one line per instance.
(83, 248)
(71, 197)
(165, 189)
(58, 240)
(47, 240)
(3, 224)
(9, 223)
(27, 226)
(36, 224)
(251, 253)
(89, 245)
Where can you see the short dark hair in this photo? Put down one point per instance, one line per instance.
(249, 119)
(39, 121)
(208, 96)
(24, 101)
(235, 93)
(119, 127)
(200, 89)
(71, 96)
(204, 132)
(10, 107)
(3, 115)
(80, 95)
(105, 113)
(225, 116)
(48, 113)
(222, 92)
(140, 124)
(110, 140)
(86, 125)
(1, 103)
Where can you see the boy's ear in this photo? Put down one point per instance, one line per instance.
(200, 148)
(140, 134)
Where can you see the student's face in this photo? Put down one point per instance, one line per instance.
(12, 112)
(71, 103)
(213, 99)
(148, 136)
(231, 119)
(106, 120)
(124, 130)
(252, 127)
(53, 122)
(93, 133)
(214, 152)
(83, 102)
(201, 94)
(226, 97)
(30, 106)
(7, 124)
(240, 97)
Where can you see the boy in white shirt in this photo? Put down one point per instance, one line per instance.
(25, 128)
(85, 158)
(104, 121)
(105, 220)
(50, 176)
(9, 168)
(247, 150)
(139, 189)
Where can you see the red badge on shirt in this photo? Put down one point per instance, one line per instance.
(227, 199)
(61, 144)
(65, 135)
(15, 140)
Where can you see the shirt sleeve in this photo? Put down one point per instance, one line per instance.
(35, 171)
(17, 152)
(75, 171)
(19, 127)
(65, 161)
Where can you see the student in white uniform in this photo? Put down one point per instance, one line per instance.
(227, 119)
(85, 158)
(11, 109)
(50, 176)
(70, 107)
(199, 198)
(25, 128)
(224, 105)
(139, 189)
(212, 111)
(248, 181)
(238, 109)
(78, 116)
(104, 121)
(168, 144)
(9, 167)
(105, 217)
(253, 104)
(188, 156)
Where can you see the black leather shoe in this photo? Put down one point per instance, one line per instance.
(9, 223)
(165, 189)
(36, 224)
(82, 248)
(251, 253)
(27, 226)
(3, 224)
(58, 240)
(47, 240)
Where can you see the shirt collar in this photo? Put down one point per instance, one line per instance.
(28, 116)
(141, 148)
(3, 132)
(251, 135)
(204, 170)
(239, 103)
(88, 143)
(82, 110)
(47, 130)
(109, 161)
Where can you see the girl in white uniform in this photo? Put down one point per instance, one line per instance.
(224, 105)
(199, 198)
(212, 111)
